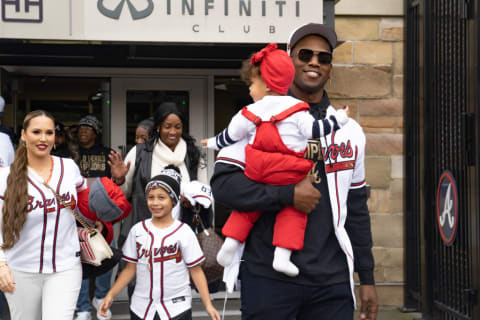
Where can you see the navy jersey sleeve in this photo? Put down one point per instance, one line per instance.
(359, 231)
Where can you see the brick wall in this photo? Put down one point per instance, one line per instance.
(368, 77)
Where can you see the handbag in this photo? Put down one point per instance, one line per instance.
(93, 247)
(210, 242)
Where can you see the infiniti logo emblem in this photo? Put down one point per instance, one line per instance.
(115, 13)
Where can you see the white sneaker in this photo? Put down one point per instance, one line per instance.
(84, 315)
(96, 303)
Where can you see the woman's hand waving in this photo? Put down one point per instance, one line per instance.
(118, 168)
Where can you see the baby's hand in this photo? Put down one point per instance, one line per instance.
(204, 143)
(341, 116)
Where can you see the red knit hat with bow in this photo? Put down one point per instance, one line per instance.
(276, 68)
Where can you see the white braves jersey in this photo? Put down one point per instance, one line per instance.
(48, 240)
(344, 158)
(294, 130)
(163, 257)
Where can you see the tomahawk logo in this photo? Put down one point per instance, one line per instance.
(114, 13)
(447, 213)
(447, 207)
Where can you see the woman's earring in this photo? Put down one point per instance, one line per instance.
(54, 146)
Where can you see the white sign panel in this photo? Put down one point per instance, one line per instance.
(35, 19)
(230, 21)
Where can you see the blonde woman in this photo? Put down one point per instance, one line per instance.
(40, 269)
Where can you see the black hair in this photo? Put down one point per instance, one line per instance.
(193, 152)
(149, 125)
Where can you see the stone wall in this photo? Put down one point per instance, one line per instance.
(368, 77)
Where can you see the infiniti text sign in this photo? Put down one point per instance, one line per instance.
(162, 20)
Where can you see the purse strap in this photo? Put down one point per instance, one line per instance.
(198, 219)
(91, 230)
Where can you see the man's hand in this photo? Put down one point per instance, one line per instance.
(369, 303)
(306, 196)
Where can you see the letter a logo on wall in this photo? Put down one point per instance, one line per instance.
(447, 207)
(115, 13)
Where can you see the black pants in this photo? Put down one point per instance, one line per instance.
(187, 315)
(269, 299)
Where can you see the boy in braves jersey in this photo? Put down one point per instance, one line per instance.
(162, 253)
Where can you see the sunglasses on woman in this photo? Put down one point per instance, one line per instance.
(306, 55)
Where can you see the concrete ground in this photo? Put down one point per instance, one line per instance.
(120, 310)
(232, 312)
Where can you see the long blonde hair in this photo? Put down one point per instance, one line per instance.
(14, 211)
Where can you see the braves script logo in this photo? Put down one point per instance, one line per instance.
(161, 254)
(331, 155)
(334, 150)
(115, 13)
(49, 204)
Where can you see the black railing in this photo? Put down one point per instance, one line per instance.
(440, 278)
(412, 158)
(446, 81)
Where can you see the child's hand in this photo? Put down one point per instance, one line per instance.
(105, 305)
(347, 110)
(204, 143)
(212, 312)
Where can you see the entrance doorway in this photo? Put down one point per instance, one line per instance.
(67, 99)
(135, 99)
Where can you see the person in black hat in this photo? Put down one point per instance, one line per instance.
(93, 163)
(60, 148)
(94, 156)
(338, 236)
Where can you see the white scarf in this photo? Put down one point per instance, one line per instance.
(163, 156)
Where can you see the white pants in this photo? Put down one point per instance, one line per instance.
(51, 296)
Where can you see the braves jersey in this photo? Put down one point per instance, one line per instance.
(163, 257)
(48, 240)
(343, 154)
(294, 130)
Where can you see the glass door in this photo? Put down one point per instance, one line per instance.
(141, 105)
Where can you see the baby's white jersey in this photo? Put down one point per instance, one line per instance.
(48, 241)
(163, 280)
(294, 130)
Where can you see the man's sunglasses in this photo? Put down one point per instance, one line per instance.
(306, 55)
